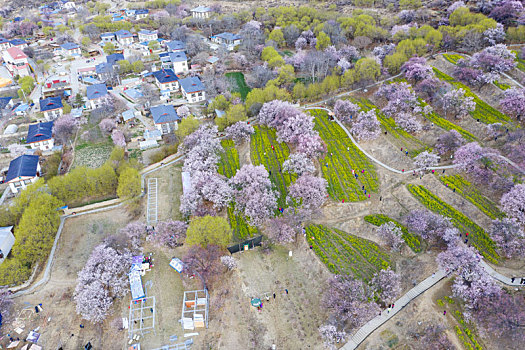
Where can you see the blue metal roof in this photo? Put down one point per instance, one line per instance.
(201, 9)
(3, 40)
(164, 114)
(4, 101)
(96, 91)
(176, 45)
(39, 132)
(123, 33)
(50, 103)
(165, 76)
(22, 107)
(107, 34)
(103, 67)
(69, 46)
(141, 11)
(147, 32)
(191, 84)
(114, 57)
(228, 36)
(133, 93)
(16, 42)
(25, 165)
(178, 56)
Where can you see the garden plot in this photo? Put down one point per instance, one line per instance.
(454, 58)
(92, 155)
(344, 253)
(238, 83)
(228, 166)
(388, 124)
(411, 240)
(477, 236)
(484, 112)
(446, 124)
(473, 195)
(266, 150)
(169, 190)
(341, 157)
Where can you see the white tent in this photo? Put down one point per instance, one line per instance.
(7, 240)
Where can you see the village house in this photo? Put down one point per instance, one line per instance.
(114, 58)
(147, 35)
(193, 89)
(227, 40)
(70, 49)
(201, 12)
(21, 44)
(141, 13)
(4, 44)
(51, 107)
(16, 62)
(7, 240)
(165, 118)
(175, 46)
(40, 136)
(107, 37)
(124, 37)
(166, 80)
(57, 85)
(6, 102)
(23, 171)
(175, 60)
(97, 95)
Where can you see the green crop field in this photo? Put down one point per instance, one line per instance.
(239, 84)
(520, 63)
(344, 253)
(447, 125)
(473, 195)
(411, 240)
(228, 166)
(340, 158)
(261, 152)
(452, 58)
(484, 112)
(413, 144)
(477, 236)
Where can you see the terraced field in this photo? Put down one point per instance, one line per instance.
(228, 166)
(262, 152)
(477, 236)
(484, 112)
(447, 125)
(344, 253)
(411, 240)
(473, 195)
(341, 157)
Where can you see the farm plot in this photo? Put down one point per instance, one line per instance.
(484, 112)
(447, 125)
(92, 155)
(266, 150)
(228, 166)
(520, 63)
(411, 240)
(344, 253)
(389, 125)
(238, 83)
(477, 236)
(473, 195)
(452, 58)
(341, 157)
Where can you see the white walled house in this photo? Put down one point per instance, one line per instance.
(51, 107)
(175, 46)
(228, 40)
(165, 118)
(193, 89)
(166, 80)
(7, 240)
(147, 35)
(124, 37)
(141, 13)
(108, 37)
(70, 49)
(23, 171)
(202, 12)
(16, 62)
(40, 136)
(97, 95)
(4, 44)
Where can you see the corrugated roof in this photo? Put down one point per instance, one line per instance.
(39, 132)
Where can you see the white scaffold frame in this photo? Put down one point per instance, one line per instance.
(180, 346)
(141, 317)
(152, 212)
(190, 312)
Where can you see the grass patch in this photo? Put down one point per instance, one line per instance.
(502, 86)
(228, 166)
(388, 124)
(477, 236)
(473, 195)
(92, 155)
(484, 112)
(411, 240)
(261, 152)
(239, 84)
(341, 157)
(344, 253)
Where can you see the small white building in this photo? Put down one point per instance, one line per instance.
(124, 37)
(141, 13)
(166, 80)
(165, 118)
(227, 40)
(51, 107)
(23, 171)
(4, 44)
(70, 49)
(201, 12)
(193, 89)
(7, 240)
(97, 95)
(147, 35)
(177, 61)
(40, 136)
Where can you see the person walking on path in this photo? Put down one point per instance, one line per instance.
(273, 296)
(445, 313)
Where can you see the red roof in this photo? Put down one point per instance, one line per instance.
(16, 53)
